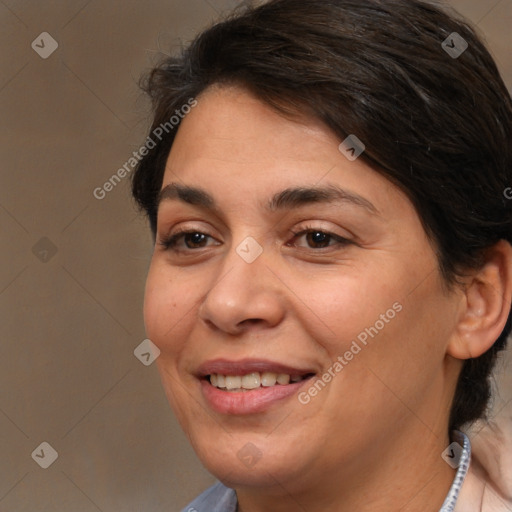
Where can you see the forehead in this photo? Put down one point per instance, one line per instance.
(231, 120)
(232, 142)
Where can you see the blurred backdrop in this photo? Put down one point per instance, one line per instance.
(73, 396)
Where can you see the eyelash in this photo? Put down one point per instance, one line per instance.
(170, 242)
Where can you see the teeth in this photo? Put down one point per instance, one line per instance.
(252, 380)
(283, 379)
(268, 379)
(233, 382)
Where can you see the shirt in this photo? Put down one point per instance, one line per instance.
(220, 498)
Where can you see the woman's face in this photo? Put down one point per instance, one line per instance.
(336, 289)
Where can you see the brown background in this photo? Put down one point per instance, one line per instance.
(73, 267)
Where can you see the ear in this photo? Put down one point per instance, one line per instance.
(485, 304)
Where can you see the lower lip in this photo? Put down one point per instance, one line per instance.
(250, 401)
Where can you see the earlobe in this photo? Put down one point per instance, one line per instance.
(485, 306)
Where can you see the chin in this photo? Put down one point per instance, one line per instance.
(246, 460)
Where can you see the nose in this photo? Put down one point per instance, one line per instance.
(243, 296)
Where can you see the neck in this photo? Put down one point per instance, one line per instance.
(407, 473)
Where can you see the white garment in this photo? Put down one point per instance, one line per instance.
(488, 483)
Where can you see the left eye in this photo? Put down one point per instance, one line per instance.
(320, 239)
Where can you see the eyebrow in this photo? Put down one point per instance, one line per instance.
(288, 198)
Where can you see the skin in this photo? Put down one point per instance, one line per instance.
(372, 438)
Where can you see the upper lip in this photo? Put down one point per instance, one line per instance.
(245, 366)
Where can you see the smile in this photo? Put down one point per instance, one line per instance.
(249, 386)
(254, 380)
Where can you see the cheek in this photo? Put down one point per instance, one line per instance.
(164, 308)
(405, 348)
(350, 307)
(153, 306)
(382, 319)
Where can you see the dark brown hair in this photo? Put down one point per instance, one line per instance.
(438, 126)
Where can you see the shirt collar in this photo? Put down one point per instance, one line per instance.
(464, 459)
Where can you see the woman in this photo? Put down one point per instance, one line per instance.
(332, 274)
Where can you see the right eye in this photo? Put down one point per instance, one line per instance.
(190, 237)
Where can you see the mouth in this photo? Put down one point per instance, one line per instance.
(249, 386)
(254, 380)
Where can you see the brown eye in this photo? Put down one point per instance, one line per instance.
(194, 238)
(191, 239)
(320, 239)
